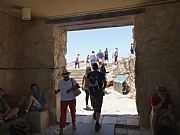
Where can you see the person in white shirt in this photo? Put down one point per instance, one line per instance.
(115, 56)
(77, 61)
(67, 99)
(93, 58)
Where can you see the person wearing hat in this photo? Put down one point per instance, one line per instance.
(161, 114)
(67, 99)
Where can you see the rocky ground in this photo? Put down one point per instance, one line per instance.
(125, 66)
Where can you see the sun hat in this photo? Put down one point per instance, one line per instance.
(65, 72)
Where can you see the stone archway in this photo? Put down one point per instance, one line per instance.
(40, 59)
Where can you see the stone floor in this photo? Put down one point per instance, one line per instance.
(111, 125)
(119, 117)
(113, 103)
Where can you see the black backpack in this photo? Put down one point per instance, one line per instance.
(93, 85)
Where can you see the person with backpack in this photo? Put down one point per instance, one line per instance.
(85, 86)
(97, 85)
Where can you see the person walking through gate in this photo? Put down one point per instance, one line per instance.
(85, 86)
(67, 99)
(97, 85)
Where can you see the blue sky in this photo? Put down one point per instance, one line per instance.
(85, 41)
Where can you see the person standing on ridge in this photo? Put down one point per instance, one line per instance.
(106, 56)
(115, 56)
(77, 61)
(87, 61)
(93, 58)
(100, 56)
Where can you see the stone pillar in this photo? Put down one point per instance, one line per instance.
(157, 55)
(60, 50)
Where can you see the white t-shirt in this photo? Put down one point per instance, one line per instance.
(64, 86)
(93, 58)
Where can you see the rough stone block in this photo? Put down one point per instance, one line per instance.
(39, 120)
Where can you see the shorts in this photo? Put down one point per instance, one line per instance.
(36, 106)
(97, 103)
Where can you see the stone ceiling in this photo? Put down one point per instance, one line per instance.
(59, 8)
(81, 14)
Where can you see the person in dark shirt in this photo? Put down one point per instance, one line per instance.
(97, 92)
(103, 69)
(161, 113)
(106, 57)
(85, 86)
(132, 49)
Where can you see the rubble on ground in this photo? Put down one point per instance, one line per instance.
(126, 66)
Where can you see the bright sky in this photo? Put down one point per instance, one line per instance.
(86, 41)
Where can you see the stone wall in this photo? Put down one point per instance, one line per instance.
(31, 52)
(157, 55)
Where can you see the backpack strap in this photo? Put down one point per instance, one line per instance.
(72, 82)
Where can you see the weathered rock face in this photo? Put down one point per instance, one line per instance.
(31, 52)
(157, 55)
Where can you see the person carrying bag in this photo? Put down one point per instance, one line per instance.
(67, 87)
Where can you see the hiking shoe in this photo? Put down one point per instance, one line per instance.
(26, 111)
(97, 127)
(61, 132)
(88, 108)
(74, 127)
(94, 116)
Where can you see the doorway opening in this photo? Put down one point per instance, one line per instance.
(119, 99)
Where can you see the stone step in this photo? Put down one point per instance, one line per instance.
(79, 81)
(80, 70)
(77, 77)
(77, 73)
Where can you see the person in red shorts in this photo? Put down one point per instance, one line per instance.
(162, 117)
